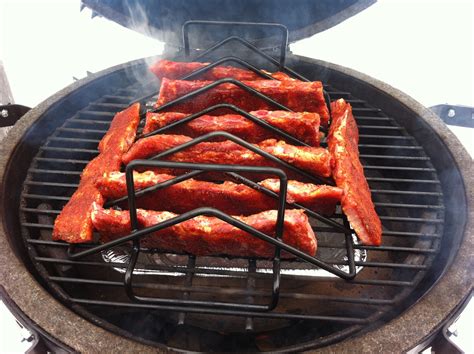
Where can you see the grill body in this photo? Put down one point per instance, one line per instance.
(401, 145)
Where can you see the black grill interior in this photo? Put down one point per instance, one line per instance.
(314, 307)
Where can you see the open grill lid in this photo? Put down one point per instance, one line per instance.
(163, 19)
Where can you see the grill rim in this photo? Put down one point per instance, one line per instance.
(27, 292)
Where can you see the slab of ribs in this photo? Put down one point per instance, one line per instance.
(85, 217)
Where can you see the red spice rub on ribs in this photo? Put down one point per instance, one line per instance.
(229, 197)
(175, 70)
(205, 235)
(314, 160)
(349, 175)
(297, 95)
(301, 125)
(74, 223)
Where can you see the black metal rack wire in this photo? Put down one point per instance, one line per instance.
(378, 134)
(136, 234)
(243, 42)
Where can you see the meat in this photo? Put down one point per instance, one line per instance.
(205, 235)
(229, 197)
(314, 160)
(74, 223)
(302, 125)
(122, 131)
(319, 198)
(296, 95)
(349, 175)
(175, 70)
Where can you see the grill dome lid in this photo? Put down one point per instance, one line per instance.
(164, 19)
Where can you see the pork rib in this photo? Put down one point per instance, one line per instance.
(203, 235)
(296, 95)
(175, 70)
(74, 223)
(314, 160)
(301, 125)
(229, 197)
(348, 173)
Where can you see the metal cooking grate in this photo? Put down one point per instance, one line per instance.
(404, 185)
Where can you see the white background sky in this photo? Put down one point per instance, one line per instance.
(424, 48)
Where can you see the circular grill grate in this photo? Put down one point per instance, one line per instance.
(314, 306)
